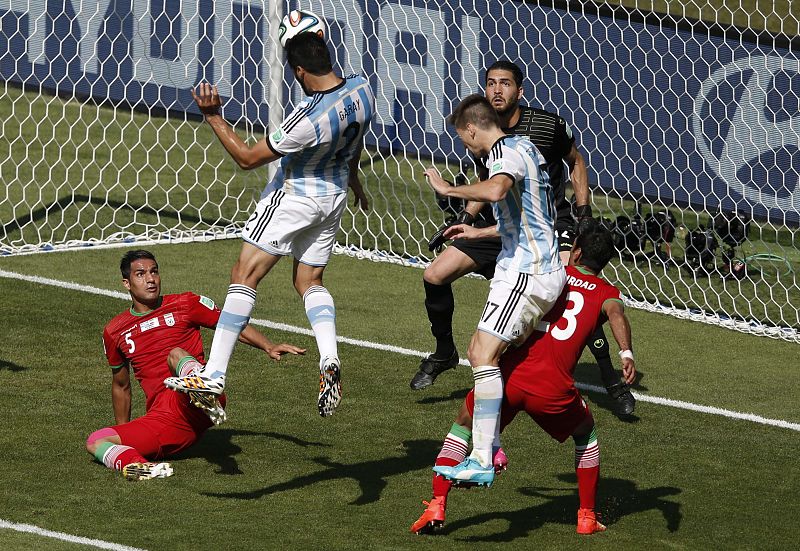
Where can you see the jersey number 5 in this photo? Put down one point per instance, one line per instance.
(570, 314)
(130, 342)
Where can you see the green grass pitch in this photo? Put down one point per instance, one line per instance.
(279, 476)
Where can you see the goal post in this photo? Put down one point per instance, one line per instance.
(689, 122)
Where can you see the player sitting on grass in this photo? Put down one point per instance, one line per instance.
(539, 380)
(159, 336)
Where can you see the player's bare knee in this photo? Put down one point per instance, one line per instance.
(434, 275)
(478, 355)
(585, 426)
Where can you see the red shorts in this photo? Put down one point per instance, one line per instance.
(558, 418)
(171, 425)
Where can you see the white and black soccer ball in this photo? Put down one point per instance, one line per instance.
(300, 21)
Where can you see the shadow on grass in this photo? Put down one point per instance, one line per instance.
(455, 395)
(617, 498)
(370, 475)
(11, 366)
(218, 449)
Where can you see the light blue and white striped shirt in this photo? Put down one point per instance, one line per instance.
(318, 139)
(526, 216)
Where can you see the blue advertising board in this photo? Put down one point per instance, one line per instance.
(672, 115)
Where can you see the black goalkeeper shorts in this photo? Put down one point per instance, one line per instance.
(483, 252)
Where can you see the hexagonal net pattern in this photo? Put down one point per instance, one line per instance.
(689, 122)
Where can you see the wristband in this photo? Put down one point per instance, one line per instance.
(583, 211)
(626, 354)
(465, 217)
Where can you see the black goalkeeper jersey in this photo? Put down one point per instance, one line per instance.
(553, 137)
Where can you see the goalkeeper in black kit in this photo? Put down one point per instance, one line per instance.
(554, 138)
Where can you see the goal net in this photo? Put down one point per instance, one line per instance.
(689, 121)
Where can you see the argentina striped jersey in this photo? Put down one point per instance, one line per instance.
(526, 216)
(318, 139)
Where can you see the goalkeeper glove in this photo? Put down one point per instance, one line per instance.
(438, 238)
(583, 215)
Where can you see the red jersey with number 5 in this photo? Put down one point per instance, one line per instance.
(545, 363)
(143, 341)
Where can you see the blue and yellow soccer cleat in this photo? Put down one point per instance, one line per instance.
(198, 382)
(330, 387)
(468, 472)
(146, 471)
(210, 405)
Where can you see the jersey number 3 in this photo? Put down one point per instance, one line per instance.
(571, 315)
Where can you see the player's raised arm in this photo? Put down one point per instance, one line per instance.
(621, 329)
(121, 394)
(247, 157)
(579, 176)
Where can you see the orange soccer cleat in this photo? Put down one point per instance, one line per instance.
(587, 522)
(432, 519)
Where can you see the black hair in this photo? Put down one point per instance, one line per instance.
(474, 109)
(597, 247)
(309, 51)
(505, 65)
(130, 257)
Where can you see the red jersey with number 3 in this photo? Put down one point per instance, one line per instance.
(545, 363)
(145, 340)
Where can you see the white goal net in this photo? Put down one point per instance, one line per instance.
(689, 121)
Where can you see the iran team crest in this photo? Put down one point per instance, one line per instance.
(169, 319)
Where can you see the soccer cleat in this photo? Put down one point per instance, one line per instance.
(432, 519)
(330, 387)
(198, 382)
(500, 461)
(621, 394)
(210, 404)
(468, 472)
(430, 368)
(587, 522)
(146, 471)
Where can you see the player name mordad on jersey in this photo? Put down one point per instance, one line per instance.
(581, 284)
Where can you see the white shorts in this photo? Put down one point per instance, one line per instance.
(305, 227)
(517, 302)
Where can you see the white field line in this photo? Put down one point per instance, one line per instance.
(30, 529)
(410, 352)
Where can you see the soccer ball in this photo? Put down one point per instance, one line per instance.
(300, 21)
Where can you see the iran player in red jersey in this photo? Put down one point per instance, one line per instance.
(538, 379)
(158, 337)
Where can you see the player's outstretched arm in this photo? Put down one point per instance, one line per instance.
(208, 101)
(494, 189)
(621, 329)
(121, 394)
(255, 338)
(465, 231)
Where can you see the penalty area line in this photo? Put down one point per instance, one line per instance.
(31, 529)
(679, 404)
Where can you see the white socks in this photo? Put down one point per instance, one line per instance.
(233, 319)
(486, 415)
(321, 314)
